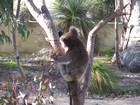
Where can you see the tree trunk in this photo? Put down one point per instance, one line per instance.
(116, 57)
(44, 19)
(91, 42)
(17, 57)
(131, 46)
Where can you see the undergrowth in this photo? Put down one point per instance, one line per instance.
(103, 80)
(9, 64)
(107, 52)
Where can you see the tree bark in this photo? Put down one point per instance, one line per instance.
(15, 41)
(44, 19)
(131, 46)
(118, 6)
(91, 42)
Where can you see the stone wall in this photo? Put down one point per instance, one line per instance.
(36, 41)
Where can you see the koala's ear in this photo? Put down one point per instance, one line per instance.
(60, 33)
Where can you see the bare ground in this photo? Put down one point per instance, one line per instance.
(106, 101)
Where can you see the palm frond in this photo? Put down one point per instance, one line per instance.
(73, 12)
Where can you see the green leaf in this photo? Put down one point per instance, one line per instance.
(5, 37)
(22, 28)
(1, 39)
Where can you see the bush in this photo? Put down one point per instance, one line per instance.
(108, 52)
(102, 79)
(10, 64)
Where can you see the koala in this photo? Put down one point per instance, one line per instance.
(74, 61)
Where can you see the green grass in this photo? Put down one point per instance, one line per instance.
(9, 65)
(102, 78)
(107, 52)
(1, 102)
(125, 90)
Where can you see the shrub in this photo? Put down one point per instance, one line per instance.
(102, 79)
(10, 64)
(108, 52)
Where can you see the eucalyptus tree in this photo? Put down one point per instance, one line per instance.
(130, 51)
(10, 17)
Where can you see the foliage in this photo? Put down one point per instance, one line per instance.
(39, 85)
(73, 12)
(7, 16)
(102, 79)
(4, 37)
(22, 27)
(10, 64)
(102, 8)
(5, 7)
(107, 52)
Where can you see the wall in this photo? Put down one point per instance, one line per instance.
(34, 43)
(106, 36)
(36, 40)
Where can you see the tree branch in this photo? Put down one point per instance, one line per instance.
(44, 19)
(18, 9)
(91, 42)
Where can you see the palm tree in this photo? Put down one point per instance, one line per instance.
(73, 12)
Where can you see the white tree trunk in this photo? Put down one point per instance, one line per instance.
(131, 46)
(41, 14)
